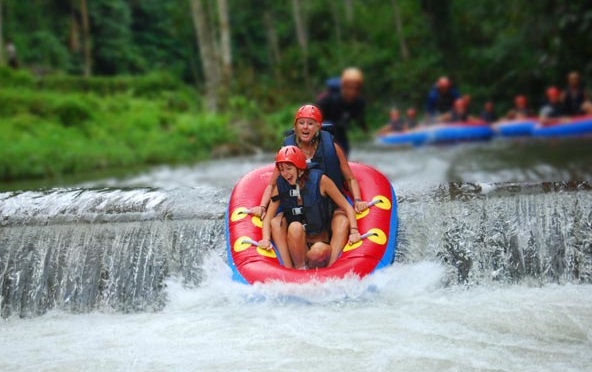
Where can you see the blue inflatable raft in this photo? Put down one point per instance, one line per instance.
(515, 128)
(575, 127)
(440, 133)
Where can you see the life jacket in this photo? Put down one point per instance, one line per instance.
(314, 212)
(325, 157)
(488, 116)
(455, 117)
(572, 104)
(411, 123)
(444, 102)
(397, 125)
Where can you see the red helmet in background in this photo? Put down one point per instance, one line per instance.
(460, 104)
(520, 100)
(293, 155)
(553, 93)
(411, 112)
(309, 112)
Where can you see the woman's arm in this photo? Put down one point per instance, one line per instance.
(328, 188)
(265, 241)
(359, 204)
(260, 210)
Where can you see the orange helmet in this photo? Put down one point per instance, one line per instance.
(309, 112)
(293, 155)
(460, 104)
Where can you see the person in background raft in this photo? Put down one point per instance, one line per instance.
(343, 107)
(11, 54)
(573, 96)
(396, 123)
(553, 109)
(458, 114)
(322, 153)
(520, 110)
(305, 195)
(488, 114)
(441, 98)
(411, 118)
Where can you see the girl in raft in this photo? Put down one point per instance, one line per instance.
(304, 195)
(321, 153)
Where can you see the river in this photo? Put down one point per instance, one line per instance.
(493, 272)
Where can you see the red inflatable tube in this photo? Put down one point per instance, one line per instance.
(378, 225)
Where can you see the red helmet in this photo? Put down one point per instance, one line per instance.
(411, 112)
(552, 92)
(460, 104)
(309, 112)
(291, 154)
(520, 100)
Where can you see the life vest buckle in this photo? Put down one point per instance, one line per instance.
(297, 211)
(295, 193)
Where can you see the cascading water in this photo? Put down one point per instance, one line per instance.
(492, 272)
(113, 249)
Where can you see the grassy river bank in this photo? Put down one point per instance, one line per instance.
(63, 125)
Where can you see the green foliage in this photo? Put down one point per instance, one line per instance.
(43, 48)
(114, 52)
(140, 105)
(49, 132)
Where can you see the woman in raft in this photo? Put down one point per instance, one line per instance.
(321, 153)
(305, 195)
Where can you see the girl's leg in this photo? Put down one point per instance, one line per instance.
(318, 255)
(297, 244)
(279, 230)
(340, 234)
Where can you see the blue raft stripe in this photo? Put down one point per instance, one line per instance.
(437, 134)
(389, 254)
(575, 128)
(236, 275)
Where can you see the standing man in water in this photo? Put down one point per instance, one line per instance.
(344, 106)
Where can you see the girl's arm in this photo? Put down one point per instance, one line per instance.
(265, 241)
(328, 188)
(261, 209)
(359, 204)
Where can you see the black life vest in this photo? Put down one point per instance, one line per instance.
(397, 125)
(444, 102)
(572, 104)
(325, 157)
(455, 117)
(314, 213)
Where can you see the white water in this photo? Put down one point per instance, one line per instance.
(403, 318)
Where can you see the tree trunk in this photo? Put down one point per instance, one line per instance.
(338, 33)
(273, 44)
(349, 10)
(86, 38)
(1, 37)
(399, 25)
(225, 43)
(301, 36)
(74, 37)
(438, 13)
(207, 50)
